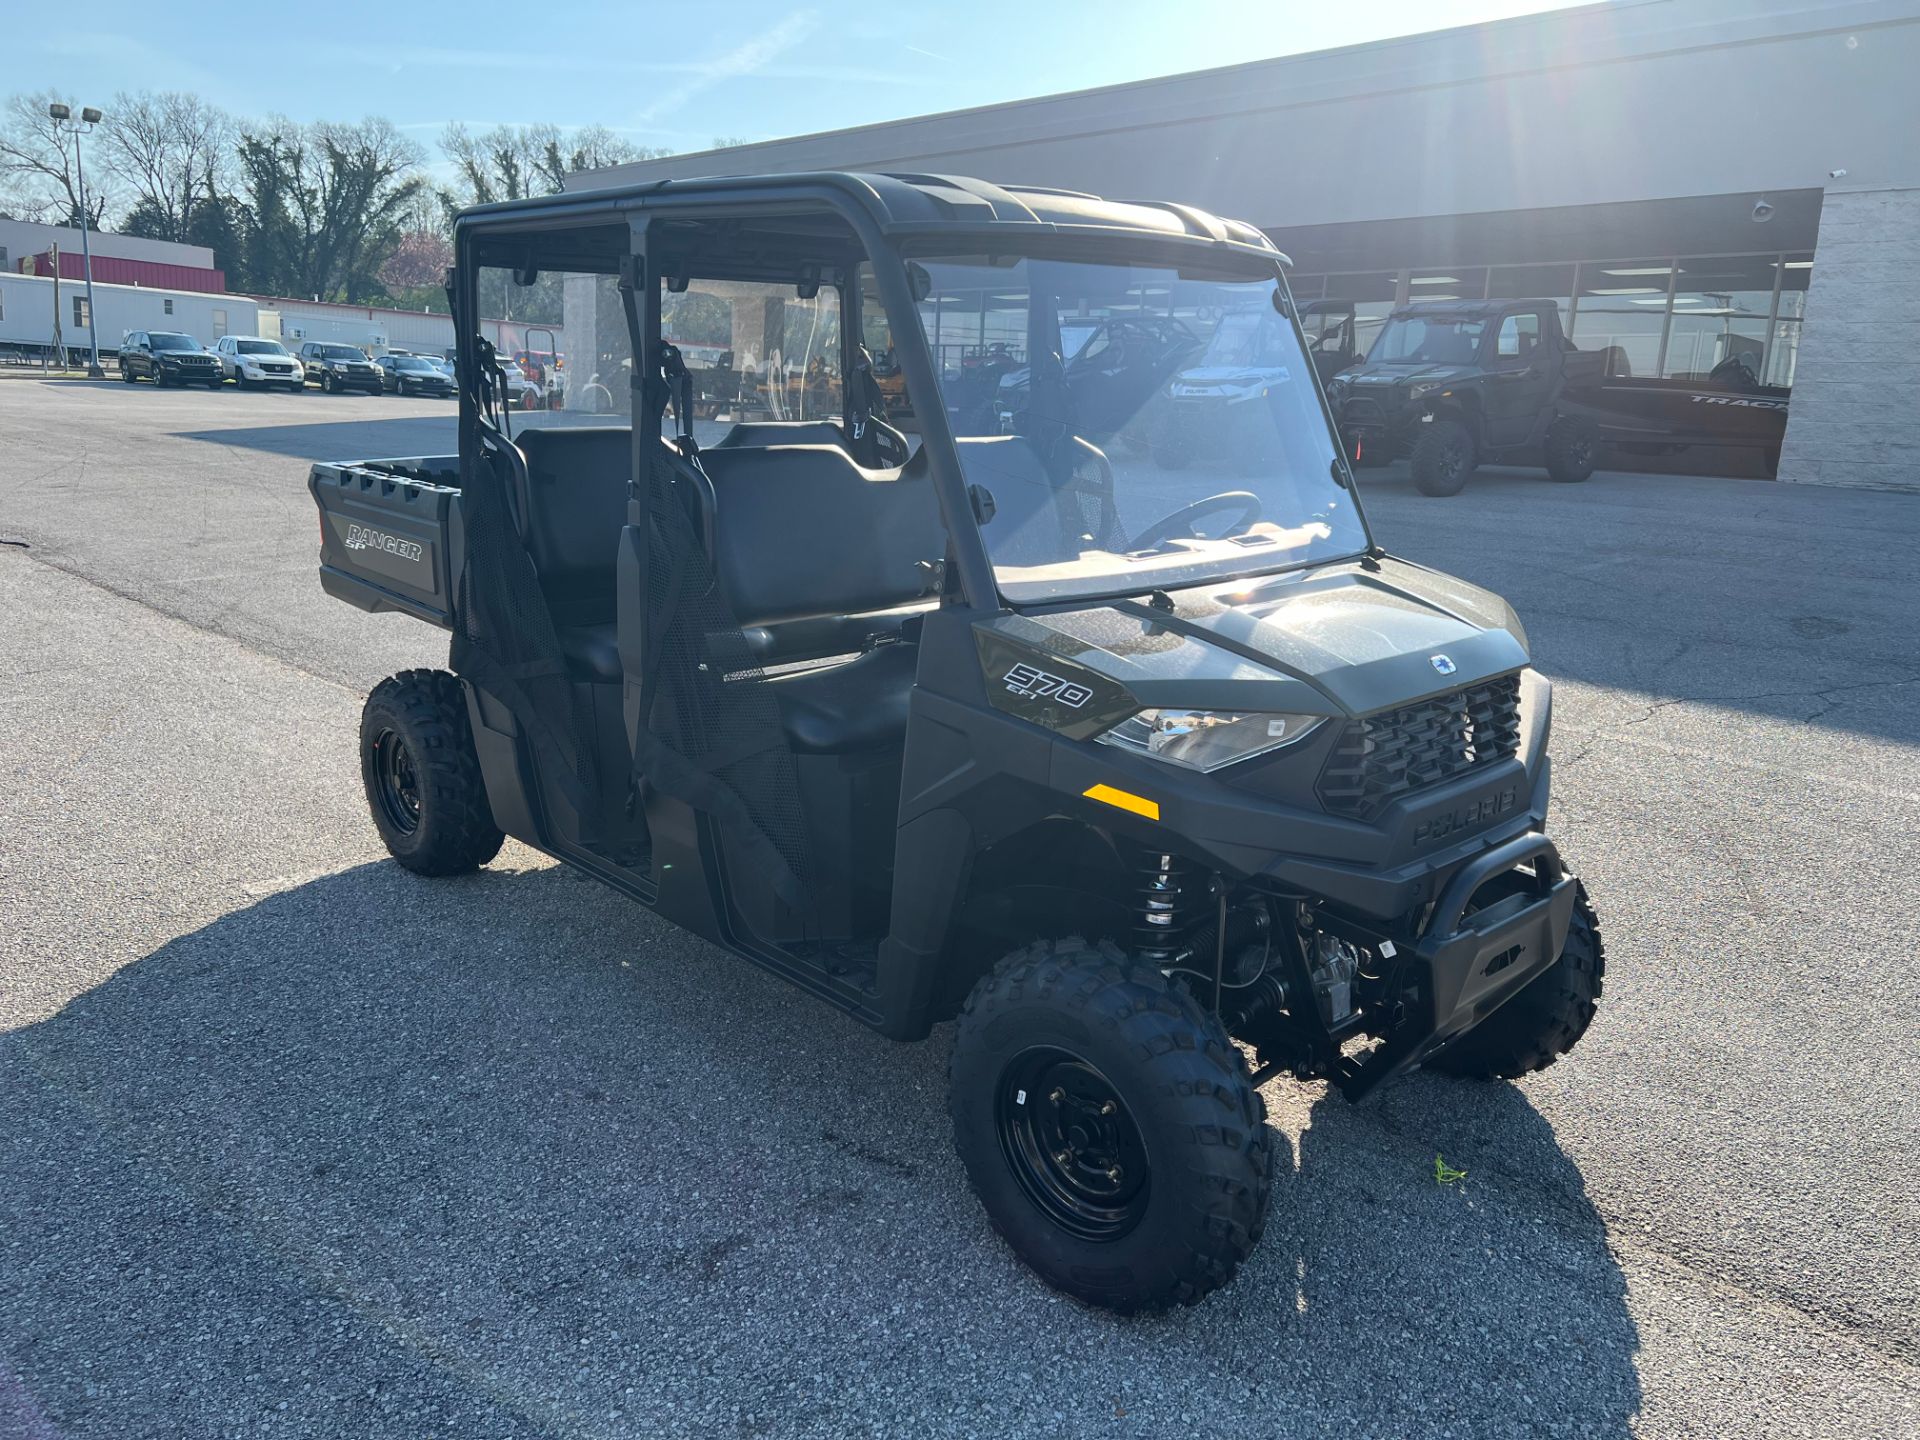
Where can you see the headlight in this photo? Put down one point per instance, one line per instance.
(1414, 392)
(1207, 739)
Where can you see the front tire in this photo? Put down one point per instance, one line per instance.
(1545, 1020)
(1443, 457)
(1109, 1127)
(1573, 449)
(422, 777)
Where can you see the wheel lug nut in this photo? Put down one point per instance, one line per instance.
(1058, 1095)
(1064, 1157)
(1108, 1108)
(1113, 1174)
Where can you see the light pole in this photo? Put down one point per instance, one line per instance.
(89, 117)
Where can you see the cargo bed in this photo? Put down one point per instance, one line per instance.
(390, 534)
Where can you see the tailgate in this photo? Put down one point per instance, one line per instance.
(390, 535)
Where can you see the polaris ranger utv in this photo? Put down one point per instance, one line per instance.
(1133, 778)
(1452, 383)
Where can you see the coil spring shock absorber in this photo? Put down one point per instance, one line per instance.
(1169, 894)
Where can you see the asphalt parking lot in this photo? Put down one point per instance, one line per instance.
(293, 1142)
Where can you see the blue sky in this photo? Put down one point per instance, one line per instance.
(672, 75)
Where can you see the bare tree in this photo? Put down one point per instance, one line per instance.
(173, 152)
(38, 164)
(511, 162)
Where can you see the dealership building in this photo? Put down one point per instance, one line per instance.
(1690, 180)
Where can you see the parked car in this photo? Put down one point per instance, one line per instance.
(248, 360)
(335, 367)
(414, 375)
(167, 357)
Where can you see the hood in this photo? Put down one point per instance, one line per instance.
(1336, 640)
(1365, 374)
(1234, 376)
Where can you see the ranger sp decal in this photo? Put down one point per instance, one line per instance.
(362, 537)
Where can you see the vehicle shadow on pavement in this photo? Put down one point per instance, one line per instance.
(507, 1155)
(341, 438)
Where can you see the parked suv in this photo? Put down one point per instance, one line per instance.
(167, 357)
(335, 367)
(248, 360)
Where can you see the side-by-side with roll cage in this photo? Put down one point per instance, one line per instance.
(1160, 782)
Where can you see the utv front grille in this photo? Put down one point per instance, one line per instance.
(1388, 755)
(1361, 410)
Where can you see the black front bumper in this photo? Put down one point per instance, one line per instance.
(1467, 965)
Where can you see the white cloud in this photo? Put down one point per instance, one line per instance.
(747, 58)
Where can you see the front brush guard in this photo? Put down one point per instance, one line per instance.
(1467, 965)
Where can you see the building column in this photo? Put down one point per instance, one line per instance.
(1854, 418)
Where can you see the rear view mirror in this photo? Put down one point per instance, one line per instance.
(919, 282)
(525, 274)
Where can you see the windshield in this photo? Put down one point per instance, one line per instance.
(1428, 340)
(1251, 338)
(1111, 477)
(340, 352)
(409, 363)
(173, 342)
(258, 347)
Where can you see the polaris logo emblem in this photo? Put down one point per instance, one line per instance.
(1033, 683)
(361, 537)
(1444, 665)
(1477, 812)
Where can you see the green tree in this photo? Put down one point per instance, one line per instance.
(325, 206)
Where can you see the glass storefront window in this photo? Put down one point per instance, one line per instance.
(1534, 282)
(1448, 282)
(1784, 354)
(1622, 310)
(1720, 312)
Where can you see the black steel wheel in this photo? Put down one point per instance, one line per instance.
(1109, 1127)
(1072, 1143)
(396, 782)
(1443, 457)
(422, 777)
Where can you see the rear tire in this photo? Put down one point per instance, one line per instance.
(1109, 1127)
(1573, 449)
(422, 778)
(1443, 457)
(1545, 1020)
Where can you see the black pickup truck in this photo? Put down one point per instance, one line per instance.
(1452, 383)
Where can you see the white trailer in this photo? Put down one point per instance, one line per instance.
(27, 301)
(376, 330)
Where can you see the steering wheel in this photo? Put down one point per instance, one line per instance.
(1179, 525)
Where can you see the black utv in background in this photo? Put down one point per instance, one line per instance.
(1454, 383)
(1130, 777)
